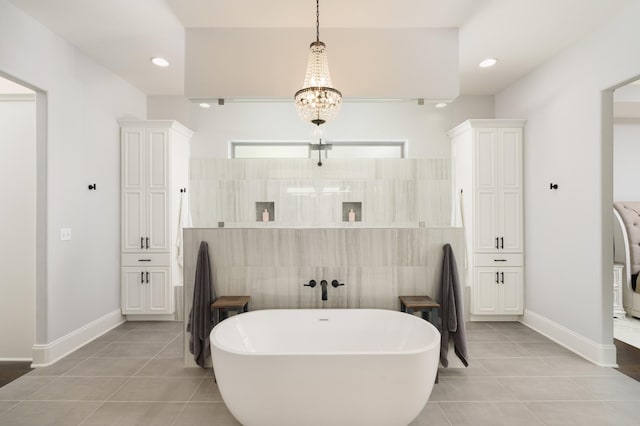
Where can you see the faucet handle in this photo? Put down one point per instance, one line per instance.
(336, 284)
(323, 283)
(312, 284)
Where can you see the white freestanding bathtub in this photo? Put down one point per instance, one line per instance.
(325, 367)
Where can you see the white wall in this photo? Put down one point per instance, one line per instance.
(18, 216)
(626, 160)
(84, 101)
(423, 126)
(568, 231)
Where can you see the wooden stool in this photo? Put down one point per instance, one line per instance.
(224, 304)
(424, 304)
(427, 306)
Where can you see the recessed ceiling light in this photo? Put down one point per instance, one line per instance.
(205, 105)
(441, 105)
(489, 62)
(160, 62)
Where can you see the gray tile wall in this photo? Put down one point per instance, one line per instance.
(392, 192)
(271, 265)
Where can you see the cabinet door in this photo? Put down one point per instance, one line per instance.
(510, 190)
(485, 291)
(133, 158)
(486, 190)
(511, 291)
(158, 219)
(159, 291)
(133, 291)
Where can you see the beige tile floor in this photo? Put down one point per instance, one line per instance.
(133, 375)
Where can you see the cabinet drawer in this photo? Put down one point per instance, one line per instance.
(498, 259)
(145, 259)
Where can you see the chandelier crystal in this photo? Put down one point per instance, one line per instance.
(318, 102)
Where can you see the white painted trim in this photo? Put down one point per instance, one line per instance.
(626, 120)
(494, 318)
(15, 359)
(602, 355)
(627, 249)
(17, 97)
(44, 355)
(151, 317)
(158, 124)
(485, 122)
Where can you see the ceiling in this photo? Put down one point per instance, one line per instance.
(124, 34)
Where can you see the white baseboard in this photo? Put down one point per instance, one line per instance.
(15, 359)
(44, 355)
(602, 355)
(494, 318)
(147, 317)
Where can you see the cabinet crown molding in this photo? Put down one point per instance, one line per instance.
(497, 123)
(159, 124)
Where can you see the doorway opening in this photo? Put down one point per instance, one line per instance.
(626, 193)
(23, 136)
(17, 256)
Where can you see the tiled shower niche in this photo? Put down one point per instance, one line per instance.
(269, 206)
(357, 210)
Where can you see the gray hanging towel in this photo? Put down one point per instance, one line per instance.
(452, 311)
(200, 321)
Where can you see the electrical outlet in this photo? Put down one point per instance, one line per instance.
(65, 234)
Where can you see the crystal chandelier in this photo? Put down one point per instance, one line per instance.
(317, 101)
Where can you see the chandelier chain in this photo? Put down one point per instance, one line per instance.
(317, 20)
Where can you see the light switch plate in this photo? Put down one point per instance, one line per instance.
(65, 234)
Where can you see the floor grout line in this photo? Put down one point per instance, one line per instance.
(11, 408)
(444, 414)
(124, 383)
(188, 401)
(526, 360)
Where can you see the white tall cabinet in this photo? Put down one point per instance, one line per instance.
(488, 202)
(154, 169)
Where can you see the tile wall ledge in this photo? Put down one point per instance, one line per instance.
(354, 226)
